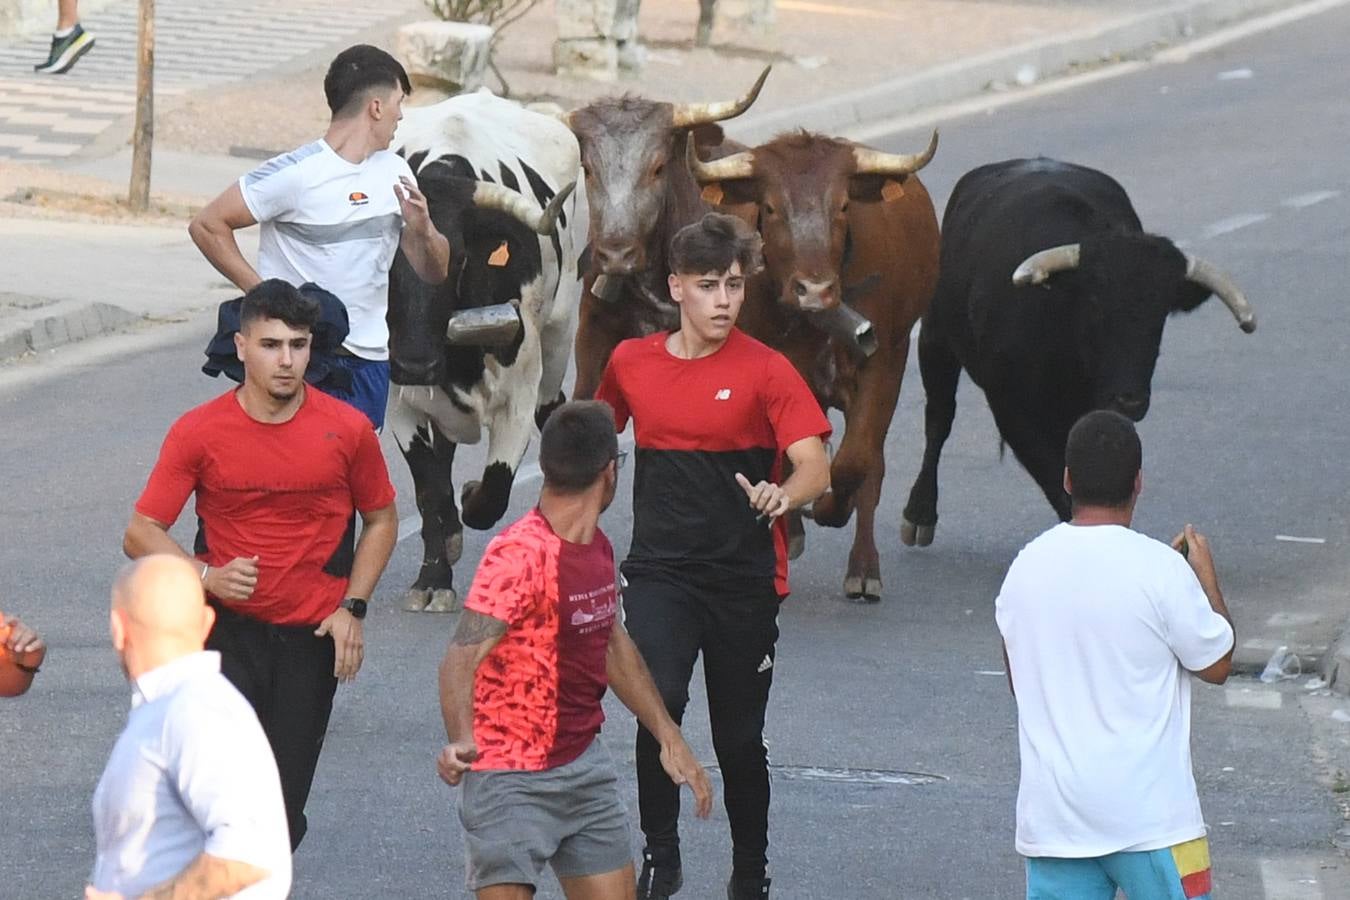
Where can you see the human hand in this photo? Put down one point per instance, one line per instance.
(233, 581)
(21, 638)
(766, 498)
(413, 203)
(349, 641)
(93, 893)
(1197, 553)
(679, 762)
(455, 759)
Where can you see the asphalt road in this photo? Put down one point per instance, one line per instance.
(891, 723)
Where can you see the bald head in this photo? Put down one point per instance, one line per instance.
(158, 612)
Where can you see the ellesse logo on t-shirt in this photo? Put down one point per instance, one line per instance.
(358, 199)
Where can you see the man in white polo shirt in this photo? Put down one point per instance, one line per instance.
(1102, 629)
(334, 212)
(190, 802)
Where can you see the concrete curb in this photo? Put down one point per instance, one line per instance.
(61, 323)
(1134, 36)
(1336, 662)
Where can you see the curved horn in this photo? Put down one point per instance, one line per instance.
(1039, 266)
(728, 168)
(874, 162)
(1208, 275)
(687, 115)
(487, 195)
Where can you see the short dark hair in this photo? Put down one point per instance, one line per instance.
(277, 299)
(577, 442)
(1103, 455)
(713, 243)
(355, 71)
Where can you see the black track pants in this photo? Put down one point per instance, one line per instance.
(736, 633)
(286, 674)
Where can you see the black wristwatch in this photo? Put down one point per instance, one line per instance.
(356, 606)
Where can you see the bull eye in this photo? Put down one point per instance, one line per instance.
(844, 207)
(658, 170)
(769, 210)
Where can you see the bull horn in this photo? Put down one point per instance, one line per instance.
(1208, 275)
(728, 168)
(1039, 266)
(488, 195)
(687, 115)
(873, 162)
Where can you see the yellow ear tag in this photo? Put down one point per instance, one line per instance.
(501, 256)
(892, 190)
(712, 193)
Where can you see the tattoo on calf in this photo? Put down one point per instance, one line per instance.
(474, 628)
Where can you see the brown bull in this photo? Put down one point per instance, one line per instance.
(851, 262)
(640, 193)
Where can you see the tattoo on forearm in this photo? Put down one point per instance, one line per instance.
(474, 628)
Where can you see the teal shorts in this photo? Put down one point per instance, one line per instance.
(1173, 873)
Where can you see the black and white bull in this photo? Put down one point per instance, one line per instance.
(1053, 298)
(489, 347)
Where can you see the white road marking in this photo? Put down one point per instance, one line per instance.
(1291, 879)
(1235, 75)
(1184, 52)
(999, 672)
(1303, 201)
(529, 472)
(1231, 224)
(1250, 699)
(1294, 539)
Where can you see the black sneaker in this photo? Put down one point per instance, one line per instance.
(747, 888)
(659, 881)
(66, 51)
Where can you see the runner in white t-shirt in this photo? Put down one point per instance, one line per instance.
(334, 212)
(1102, 627)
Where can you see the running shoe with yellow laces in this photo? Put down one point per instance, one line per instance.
(66, 51)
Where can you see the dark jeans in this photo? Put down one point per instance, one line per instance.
(286, 673)
(736, 633)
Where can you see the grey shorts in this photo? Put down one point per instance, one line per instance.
(570, 817)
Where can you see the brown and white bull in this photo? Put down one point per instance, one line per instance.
(640, 193)
(851, 262)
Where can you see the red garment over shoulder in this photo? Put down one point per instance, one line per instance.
(537, 694)
(282, 492)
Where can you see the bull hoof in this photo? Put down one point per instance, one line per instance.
(862, 590)
(416, 599)
(454, 547)
(915, 535)
(443, 600)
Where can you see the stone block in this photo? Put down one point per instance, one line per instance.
(450, 56)
(755, 16)
(595, 58)
(584, 19)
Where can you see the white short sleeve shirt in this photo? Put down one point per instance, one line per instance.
(1101, 624)
(335, 223)
(191, 773)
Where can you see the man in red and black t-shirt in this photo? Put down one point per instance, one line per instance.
(714, 412)
(537, 645)
(278, 471)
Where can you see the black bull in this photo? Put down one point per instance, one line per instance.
(1054, 299)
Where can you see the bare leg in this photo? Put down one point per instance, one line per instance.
(621, 884)
(506, 892)
(68, 13)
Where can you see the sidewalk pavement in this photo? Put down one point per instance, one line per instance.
(237, 84)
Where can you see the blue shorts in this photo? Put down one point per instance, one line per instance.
(1173, 873)
(370, 386)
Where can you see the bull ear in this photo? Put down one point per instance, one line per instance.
(733, 192)
(876, 188)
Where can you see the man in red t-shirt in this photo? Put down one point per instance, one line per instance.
(714, 412)
(538, 643)
(278, 471)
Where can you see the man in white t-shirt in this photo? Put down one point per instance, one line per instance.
(1102, 628)
(334, 212)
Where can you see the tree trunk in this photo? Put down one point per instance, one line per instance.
(144, 133)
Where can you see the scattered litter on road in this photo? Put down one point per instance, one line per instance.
(998, 672)
(1229, 769)
(1235, 75)
(849, 776)
(1315, 684)
(1340, 715)
(1282, 666)
(1027, 75)
(1228, 823)
(1294, 539)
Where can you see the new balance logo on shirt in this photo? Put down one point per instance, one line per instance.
(723, 394)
